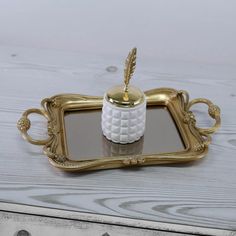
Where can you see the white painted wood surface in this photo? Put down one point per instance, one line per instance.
(200, 194)
(13, 223)
(60, 47)
(15, 212)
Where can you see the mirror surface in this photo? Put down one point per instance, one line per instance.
(85, 140)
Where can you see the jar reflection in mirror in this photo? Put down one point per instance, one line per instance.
(116, 149)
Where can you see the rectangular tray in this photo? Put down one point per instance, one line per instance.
(76, 143)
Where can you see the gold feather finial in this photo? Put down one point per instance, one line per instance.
(130, 64)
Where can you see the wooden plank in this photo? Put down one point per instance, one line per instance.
(107, 223)
(13, 223)
(198, 194)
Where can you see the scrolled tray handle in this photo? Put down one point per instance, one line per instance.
(213, 111)
(24, 124)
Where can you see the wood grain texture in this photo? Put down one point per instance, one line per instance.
(18, 211)
(202, 193)
(12, 223)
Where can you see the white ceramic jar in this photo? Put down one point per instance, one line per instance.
(124, 115)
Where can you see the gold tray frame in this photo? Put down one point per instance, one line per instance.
(196, 139)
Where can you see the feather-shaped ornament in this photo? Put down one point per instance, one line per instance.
(130, 65)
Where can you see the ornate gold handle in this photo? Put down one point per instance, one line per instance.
(213, 111)
(24, 124)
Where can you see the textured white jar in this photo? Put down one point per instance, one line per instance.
(123, 124)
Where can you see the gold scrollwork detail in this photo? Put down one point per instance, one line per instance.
(189, 117)
(52, 128)
(54, 156)
(214, 111)
(55, 102)
(134, 161)
(60, 158)
(23, 124)
(199, 146)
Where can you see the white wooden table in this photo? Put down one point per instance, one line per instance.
(192, 199)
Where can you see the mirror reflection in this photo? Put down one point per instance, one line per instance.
(85, 140)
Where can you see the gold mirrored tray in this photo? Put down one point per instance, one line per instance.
(75, 141)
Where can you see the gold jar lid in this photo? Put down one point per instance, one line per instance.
(126, 95)
(119, 97)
